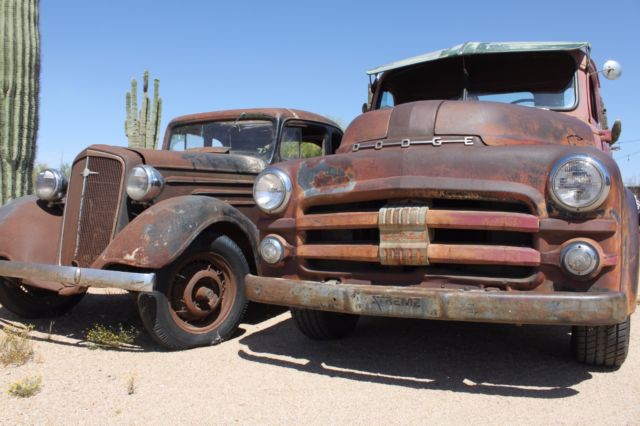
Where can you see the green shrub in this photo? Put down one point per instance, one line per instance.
(105, 338)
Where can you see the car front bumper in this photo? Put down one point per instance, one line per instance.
(517, 307)
(78, 277)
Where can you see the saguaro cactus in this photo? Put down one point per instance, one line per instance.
(143, 127)
(19, 89)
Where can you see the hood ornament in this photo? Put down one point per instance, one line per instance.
(86, 173)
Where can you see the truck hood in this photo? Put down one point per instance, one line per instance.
(495, 123)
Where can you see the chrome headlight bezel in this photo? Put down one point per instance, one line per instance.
(49, 193)
(286, 187)
(588, 250)
(144, 183)
(278, 250)
(589, 161)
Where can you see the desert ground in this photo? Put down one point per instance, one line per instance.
(389, 371)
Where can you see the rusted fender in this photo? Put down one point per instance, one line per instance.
(30, 230)
(162, 232)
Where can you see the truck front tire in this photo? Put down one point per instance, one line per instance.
(321, 325)
(603, 345)
(200, 296)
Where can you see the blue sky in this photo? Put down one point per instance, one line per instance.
(313, 56)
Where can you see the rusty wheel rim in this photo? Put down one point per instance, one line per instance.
(202, 293)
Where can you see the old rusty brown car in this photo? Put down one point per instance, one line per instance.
(174, 225)
(478, 185)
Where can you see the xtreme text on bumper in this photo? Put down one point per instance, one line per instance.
(563, 308)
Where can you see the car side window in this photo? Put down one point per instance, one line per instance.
(303, 141)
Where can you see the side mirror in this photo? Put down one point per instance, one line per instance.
(616, 129)
(612, 70)
(365, 107)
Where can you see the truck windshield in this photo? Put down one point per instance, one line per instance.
(537, 79)
(248, 137)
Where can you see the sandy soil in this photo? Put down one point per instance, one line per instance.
(389, 371)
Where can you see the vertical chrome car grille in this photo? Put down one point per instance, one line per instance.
(91, 209)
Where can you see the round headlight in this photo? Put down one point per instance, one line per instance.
(144, 183)
(271, 250)
(579, 259)
(579, 183)
(272, 190)
(51, 185)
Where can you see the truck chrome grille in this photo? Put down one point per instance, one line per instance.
(91, 209)
(462, 237)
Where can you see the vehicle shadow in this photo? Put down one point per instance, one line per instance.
(493, 359)
(112, 310)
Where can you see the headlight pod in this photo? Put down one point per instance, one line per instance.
(579, 183)
(51, 185)
(144, 183)
(272, 190)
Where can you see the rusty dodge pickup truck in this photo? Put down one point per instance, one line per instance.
(477, 185)
(174, 225)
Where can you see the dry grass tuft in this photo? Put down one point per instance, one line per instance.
(16, 347)
(26, 387)
(131, 384)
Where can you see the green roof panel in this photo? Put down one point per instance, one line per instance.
(478, 48)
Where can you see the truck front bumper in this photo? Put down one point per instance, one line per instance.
(517, 307)
(78, 277)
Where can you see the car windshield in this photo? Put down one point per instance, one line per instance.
(248, 137)
(537, 79)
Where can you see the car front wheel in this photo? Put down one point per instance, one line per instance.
(200, 297)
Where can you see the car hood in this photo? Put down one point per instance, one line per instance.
(202, 161)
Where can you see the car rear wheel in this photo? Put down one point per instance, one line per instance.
(321, 325)
(200, 297)
(31, 302)
(604, 345)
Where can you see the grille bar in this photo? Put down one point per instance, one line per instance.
(436, 219)
(436, 253)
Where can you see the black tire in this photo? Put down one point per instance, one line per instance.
(321, 325)
(31, 302)
(603, 346)
(200, 296)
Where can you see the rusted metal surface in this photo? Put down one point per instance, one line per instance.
(360, 252)
(449, 219)
(433, 253)
(78, 277)
(201, 292)
(411, 302)
(204, 189)
(162, 232)
(496, 124)
(503, 124)
(488, 246)
(97, 185)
